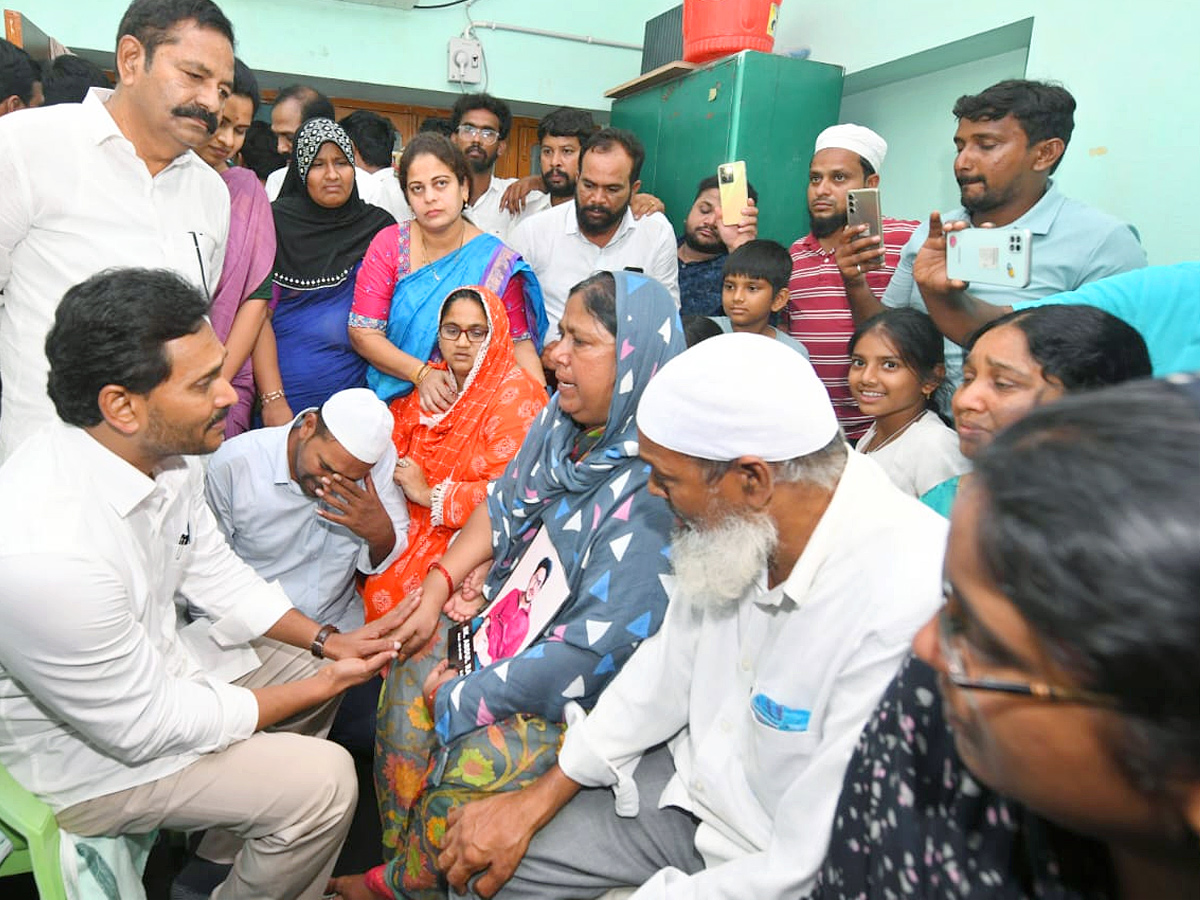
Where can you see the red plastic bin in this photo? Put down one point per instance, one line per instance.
(716, 28)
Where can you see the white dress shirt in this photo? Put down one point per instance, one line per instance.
(273, 525)
(97, 691)
(486, 213)
(535, 202)
(389, 195)
(562, 256)
(75, 199)
(765, 700)
(274, 182)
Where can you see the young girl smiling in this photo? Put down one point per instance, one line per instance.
(896, 367)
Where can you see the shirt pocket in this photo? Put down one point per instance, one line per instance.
(192, 255)
(782, 745)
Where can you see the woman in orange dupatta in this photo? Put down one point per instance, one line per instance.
(447, 459)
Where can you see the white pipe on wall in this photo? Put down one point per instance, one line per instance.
(562, 36)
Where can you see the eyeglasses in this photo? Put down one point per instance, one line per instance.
(475, 334)
(951, 638)
(485, 135)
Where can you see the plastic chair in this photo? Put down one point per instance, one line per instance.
(30, 825)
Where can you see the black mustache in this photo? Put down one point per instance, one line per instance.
(594, 209)
(962, 182)
(197, 112)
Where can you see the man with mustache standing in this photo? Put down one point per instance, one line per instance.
(799, 576)
(834, 268)
(111, 182)
(562, 132)
(1010, 139)
(597, 231)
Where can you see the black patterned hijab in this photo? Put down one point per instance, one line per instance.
(319, 247)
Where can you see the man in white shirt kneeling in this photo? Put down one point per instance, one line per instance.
(800, 576)
(109, 718)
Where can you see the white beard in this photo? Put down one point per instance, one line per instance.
(717, 564)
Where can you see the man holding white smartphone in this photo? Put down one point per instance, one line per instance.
(838, 268)
(1010, 139)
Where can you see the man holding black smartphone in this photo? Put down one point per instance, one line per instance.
(836, 268)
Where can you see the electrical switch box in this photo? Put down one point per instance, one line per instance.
(465, 61)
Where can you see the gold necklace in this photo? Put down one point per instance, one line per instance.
(895, 434)
(425, 260)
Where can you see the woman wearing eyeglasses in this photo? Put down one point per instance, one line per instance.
(410, 267)
(446, 459)
(1046, 741)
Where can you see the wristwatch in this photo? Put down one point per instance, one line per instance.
(318, 644)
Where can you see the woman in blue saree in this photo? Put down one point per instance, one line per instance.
(322, 230)
(411, 267)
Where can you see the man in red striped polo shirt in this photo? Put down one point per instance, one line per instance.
(832, 262)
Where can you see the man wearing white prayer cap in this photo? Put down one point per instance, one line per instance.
(800, 576)
(837, 271)
(312, 502)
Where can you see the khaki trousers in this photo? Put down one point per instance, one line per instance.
(287, 798)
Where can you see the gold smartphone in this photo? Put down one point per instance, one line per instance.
(731, 180)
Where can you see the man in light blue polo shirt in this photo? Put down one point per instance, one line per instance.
(1010, 139)
(309, 503)
(1161, 302)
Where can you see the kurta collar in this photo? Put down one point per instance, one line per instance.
(847, 501)
(282, 471)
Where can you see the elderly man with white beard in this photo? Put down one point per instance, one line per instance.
(800, 576)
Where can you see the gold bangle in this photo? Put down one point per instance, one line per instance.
(422, 373)
(270, 397)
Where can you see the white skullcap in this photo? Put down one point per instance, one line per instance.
(856, 139)
(738, 395)
(360, 422)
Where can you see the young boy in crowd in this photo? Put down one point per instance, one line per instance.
(755, 287)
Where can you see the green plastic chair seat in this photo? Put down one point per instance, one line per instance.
(30, 825)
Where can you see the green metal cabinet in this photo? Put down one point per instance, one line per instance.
(762, 108)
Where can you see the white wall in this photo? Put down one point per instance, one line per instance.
(918, 175)
(362, 43)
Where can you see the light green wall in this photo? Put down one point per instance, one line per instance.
(1132, 67)
(918, 176)
(375, 45)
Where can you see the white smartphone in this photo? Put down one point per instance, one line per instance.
(863, 208)
(1001, 256)
(731, 180)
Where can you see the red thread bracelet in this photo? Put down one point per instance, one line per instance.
(445, 574)
(376, 880)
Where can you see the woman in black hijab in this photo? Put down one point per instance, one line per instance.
(322, 230)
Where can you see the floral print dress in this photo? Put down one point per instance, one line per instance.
(913, 823)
